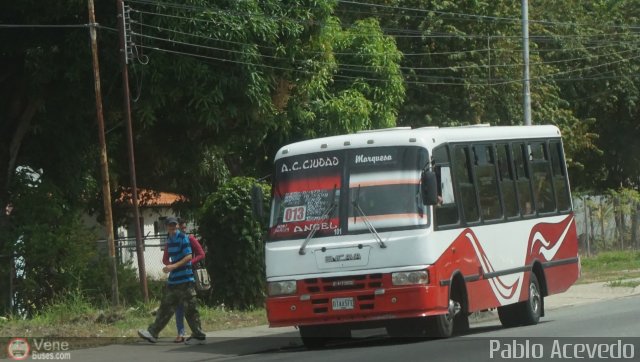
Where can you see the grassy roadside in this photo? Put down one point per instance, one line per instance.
(614, 267)
(73, 316)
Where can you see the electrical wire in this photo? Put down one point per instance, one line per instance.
(45, 26)
(538, 38)
(459, 52)
(360, 66)
(451, 15)
(465, 84)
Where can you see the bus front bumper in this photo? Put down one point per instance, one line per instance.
(357, 306)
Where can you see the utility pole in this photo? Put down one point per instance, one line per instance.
(104, 166)
(525, 55)
(124, 61)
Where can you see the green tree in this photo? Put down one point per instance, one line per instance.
(234, 239)
(597, 69)
(51, 248)
(355, 84)
(463, 65)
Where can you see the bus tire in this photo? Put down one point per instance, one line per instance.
(523, 313)
(508, 315)
(440, 326)
(531, 309)
(456, 319)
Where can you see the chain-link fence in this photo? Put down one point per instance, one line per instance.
(153, 252)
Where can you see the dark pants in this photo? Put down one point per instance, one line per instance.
(174, 295)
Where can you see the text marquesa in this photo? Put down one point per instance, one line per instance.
(373, 159)
(311, 164)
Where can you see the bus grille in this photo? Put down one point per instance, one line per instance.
(345, 283)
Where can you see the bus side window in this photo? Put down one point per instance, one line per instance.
(542, 184)
(523, 185)
(464, 182)
(446, 213)
(560, 181)
(486, 180)
(507, 181)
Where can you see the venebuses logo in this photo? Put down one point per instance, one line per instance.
(18, 349)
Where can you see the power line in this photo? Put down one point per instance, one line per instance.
(481, 17)
(44, 26)
(451, 15)
(345, 67)
(547, 76)
(412, 33)
(361, 66)
(457, 52)
(477, 83)
(292, 69)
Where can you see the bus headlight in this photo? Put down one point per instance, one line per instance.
(286, 287)
(409, 278)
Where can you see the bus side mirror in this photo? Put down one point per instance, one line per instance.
(257, 198)
(429, 188)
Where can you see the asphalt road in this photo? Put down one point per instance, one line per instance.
(611, 328)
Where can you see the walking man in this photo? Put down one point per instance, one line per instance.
(179, 290)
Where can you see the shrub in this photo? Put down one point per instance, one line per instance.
(52, 247)
(234, 239)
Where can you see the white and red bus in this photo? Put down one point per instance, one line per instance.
(414, 229)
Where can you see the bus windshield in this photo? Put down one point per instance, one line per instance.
(378, 186)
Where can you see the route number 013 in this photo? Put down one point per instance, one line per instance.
(295, 213)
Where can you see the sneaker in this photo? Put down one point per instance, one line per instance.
(195, 340)
(143, 333)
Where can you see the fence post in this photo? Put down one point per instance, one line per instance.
(586, 225)
(635, 212)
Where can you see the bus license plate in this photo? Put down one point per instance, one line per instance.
(342, 303)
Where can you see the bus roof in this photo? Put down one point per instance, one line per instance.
(427, 137)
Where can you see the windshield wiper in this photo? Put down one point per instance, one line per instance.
(372, 230)
(325, 215)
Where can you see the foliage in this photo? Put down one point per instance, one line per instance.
(358, 86)
(234, 239)
(96, 283)
(51, 246)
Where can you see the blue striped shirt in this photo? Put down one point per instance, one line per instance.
(178, 247)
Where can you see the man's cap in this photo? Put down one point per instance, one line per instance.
(171, 220)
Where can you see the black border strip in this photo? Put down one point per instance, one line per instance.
(552, 263)
(548, 264)
(507, 271)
